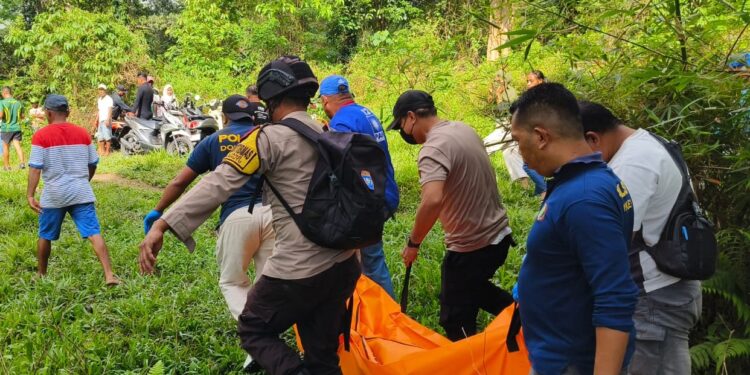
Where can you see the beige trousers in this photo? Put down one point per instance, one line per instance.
(243, 236)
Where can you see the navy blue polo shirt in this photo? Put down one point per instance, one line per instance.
(210, 152)
(355, 118)
(576, 275)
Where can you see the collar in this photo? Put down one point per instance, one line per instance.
(347, 103)
(243, 122)
(592, 158)
(570, 168)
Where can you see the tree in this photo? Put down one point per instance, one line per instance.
(501, 21)
(72, 51)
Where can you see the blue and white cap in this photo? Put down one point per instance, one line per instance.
(333, 85)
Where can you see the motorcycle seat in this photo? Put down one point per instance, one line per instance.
(151, 124)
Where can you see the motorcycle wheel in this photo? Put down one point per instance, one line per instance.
(130, 139)
(180, 145)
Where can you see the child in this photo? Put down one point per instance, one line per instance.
(64, 155)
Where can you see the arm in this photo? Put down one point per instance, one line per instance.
(92, 171)
(31, 189)
(138, 101)
(190, 212)
(595, 229)
(198, 204)
(610, 351)
(176, 187)
(427, 214)
(433, 171)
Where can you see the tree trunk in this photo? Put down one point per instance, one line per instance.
(501, 15)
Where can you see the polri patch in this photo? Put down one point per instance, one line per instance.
(244, 157)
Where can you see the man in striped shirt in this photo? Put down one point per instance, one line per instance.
(62, 153)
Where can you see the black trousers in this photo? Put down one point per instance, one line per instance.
(466, 287)
(317, 305)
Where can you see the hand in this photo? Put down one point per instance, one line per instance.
(149, 219)
(35, 205)
(150, 247)
(409, 255)
(130, 114)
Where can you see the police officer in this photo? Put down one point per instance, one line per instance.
(302, 283)
(242, 236)
(459, 187)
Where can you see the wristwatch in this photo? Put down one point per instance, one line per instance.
(412, 244)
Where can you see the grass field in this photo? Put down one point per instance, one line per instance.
(69, 322)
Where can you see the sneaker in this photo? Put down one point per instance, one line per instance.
(250, 366)
(22, 166)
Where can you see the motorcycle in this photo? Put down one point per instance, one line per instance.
(138, 136)
(199, 124)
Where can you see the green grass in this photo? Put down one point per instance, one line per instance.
(69, 322)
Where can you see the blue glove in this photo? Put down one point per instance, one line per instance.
(515, 292)
(149, 220)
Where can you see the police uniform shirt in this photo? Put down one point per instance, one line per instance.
(287, 160)
(208, 155)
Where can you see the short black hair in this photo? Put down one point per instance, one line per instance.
(553, 105)
(299, 97)
(426, 112)
(143, 74)
(597, 118)
(538, 74)
(251, 90)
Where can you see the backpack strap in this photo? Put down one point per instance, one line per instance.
(300, 128)
(311, 135)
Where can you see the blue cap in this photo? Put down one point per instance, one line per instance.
(55, 102)
(333, 85)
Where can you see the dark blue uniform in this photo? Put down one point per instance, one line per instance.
(576, 274)
(210, 152)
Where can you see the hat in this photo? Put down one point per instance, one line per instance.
(121, 88)
(237, 107)
(55, 102)
(102, 86)
(150, 79)
(333, 85)
(286, 74)
(411, 100)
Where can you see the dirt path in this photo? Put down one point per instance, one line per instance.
(111, 178)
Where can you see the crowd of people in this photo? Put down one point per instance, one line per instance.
(591, 298)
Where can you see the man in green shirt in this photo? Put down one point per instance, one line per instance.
(10, 127)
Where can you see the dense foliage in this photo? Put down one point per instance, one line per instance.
(659, 64)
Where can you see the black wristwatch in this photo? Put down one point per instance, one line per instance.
(412, 244)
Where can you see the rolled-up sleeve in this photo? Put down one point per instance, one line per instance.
(195, 207)
(595, 230)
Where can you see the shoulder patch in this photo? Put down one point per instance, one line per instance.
(244, 157)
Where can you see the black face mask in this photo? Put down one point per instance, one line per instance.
(408, 138)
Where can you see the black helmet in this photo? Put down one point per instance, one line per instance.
(285, 74)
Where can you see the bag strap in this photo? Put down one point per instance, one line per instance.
(311, 135)
(300, 128)
(511, 340)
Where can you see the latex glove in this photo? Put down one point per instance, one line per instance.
(149, 219)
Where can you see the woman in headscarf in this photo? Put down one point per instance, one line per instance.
(168, 97)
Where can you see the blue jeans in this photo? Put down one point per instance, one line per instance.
(374, 267)
(540, 185)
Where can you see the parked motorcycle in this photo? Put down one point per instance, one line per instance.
(199, 124)
(139, 136)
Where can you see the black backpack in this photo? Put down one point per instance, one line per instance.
(687, 246)
(345, 203)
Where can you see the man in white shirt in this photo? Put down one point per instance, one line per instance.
(104, 106)
(668, 307)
